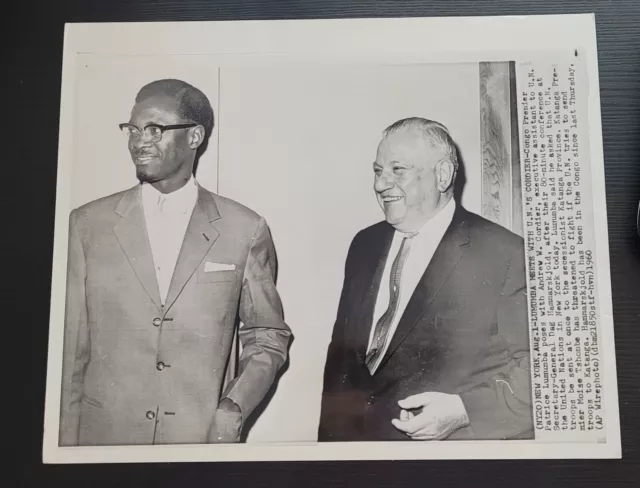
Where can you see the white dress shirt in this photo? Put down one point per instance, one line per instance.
(423, 246)
(167, 217)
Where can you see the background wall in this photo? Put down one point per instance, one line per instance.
(106, 89)
(297, 145)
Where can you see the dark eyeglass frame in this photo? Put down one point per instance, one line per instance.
(162, 128)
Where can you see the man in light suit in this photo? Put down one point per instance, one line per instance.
(431, 339)
(164, 280)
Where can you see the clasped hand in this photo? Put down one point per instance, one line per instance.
(440, 415)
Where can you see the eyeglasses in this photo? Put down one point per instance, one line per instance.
(152, 131)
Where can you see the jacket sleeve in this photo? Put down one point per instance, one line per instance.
(501, 407)
(76, 348)
(263, 334)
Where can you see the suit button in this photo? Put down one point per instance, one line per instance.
(160, 366)
(151, 415)
(157, 321)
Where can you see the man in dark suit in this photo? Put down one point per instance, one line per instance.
(165, 282)
(431, 339)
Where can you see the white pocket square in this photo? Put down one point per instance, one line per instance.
(209, 267)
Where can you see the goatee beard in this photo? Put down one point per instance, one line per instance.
(143, 177)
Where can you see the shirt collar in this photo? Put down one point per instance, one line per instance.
(438, 223)
(182, 200)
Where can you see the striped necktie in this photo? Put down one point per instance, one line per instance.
(384, 323)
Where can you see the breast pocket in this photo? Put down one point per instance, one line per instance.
(216, 275)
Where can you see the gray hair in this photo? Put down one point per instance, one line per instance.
(436, 134)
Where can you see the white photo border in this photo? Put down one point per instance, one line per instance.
(379, 41)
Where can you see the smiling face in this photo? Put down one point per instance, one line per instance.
(170, 160)
(410, 179)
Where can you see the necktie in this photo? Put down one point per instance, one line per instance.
(384, 323)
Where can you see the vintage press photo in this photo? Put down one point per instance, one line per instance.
(277, 250)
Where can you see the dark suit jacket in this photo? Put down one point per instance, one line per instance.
(138, 372)
(464, 331)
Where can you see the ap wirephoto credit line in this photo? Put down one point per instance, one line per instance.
(564, 319)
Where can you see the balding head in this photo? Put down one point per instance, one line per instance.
(435, 133)
(415, 168)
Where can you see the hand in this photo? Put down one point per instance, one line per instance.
(226, 424)
(441, 415)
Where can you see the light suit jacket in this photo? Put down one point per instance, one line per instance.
(138, 372)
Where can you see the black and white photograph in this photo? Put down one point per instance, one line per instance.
(332, 253)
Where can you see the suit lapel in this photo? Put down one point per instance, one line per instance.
(131, 233)
(374, 257)
(198, 239)
(444, 260)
